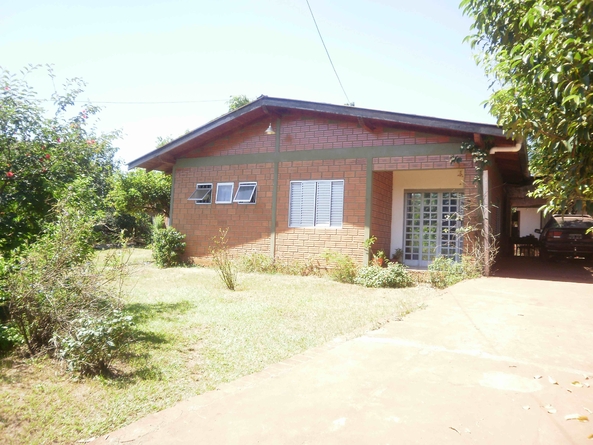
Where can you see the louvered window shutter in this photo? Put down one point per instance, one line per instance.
(316, 204)
(337, 203)
(323, 203)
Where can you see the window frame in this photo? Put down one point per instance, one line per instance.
(230, 201)
(314, 207)
(252, 199)
(201, 201)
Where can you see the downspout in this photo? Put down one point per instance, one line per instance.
(486, 203)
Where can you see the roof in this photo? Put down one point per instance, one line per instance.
(164, 157)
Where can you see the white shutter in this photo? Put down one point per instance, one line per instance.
(308, 204)
(296, 204)
(323, 203)
(316, 204)
(337, 203)
(302, 204)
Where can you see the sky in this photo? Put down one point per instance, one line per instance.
(393, 55)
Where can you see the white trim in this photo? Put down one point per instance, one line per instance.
(252, 195)
(230, 200)
(202, 186)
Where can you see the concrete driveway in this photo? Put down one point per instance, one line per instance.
(490, 361)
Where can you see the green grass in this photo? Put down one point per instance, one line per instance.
(193, 335)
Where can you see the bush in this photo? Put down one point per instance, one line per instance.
(167, 246)
(258, 262)
(395, 275)
(222, 260)
(342, 267)
(92, 342)
(445, 272)
(55, 283)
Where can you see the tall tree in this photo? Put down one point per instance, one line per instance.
(140, 192)
(237, 102)
(46, 154)
(539, 55)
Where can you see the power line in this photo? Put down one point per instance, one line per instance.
(104, 102)
(327, 52)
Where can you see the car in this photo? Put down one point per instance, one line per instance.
(567, 236)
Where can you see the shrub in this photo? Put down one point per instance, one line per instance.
(342, 267)
(222, 259)
(304, 268)
(395, 275)
(445, 272)
(258, 262)
(92, 342)
(167, 246)
(55, 283)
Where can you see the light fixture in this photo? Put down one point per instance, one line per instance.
(270, 130)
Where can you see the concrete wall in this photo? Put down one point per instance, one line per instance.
(529, 220)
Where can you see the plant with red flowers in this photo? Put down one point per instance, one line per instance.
(43, 158)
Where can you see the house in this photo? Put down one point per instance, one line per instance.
(292, 179)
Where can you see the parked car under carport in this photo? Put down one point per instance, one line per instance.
(567, 236)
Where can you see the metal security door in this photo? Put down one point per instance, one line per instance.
(431, 224)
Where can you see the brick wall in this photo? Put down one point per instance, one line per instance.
(247, 140)
(305, 243)
(323, 134)
(381, 211)
(249, 224)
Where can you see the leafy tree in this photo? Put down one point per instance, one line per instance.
(140, 192)
(237, 102)
(163, 140)
(45, 154)
(539, 54)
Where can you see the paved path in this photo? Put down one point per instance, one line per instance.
(460, 371)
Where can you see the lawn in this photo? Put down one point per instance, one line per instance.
(193, 335)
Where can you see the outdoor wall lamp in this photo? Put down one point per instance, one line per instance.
(270, 130)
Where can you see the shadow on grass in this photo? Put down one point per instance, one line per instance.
(144, 311)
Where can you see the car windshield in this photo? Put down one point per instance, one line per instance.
(571, 222)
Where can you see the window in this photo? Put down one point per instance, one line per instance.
(202, 195)
(224, 193)
(246, 193)
(316, 203)
(432, 221)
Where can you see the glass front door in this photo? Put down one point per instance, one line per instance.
(432, 221)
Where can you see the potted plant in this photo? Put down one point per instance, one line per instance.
(380, 259)
(397, 256)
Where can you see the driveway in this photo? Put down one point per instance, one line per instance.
(489, 361)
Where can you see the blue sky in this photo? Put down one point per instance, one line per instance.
(391, 55)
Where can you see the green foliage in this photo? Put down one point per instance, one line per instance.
(445, 272)
(42, 158)
(163, 140)
(538, 54)
(55, 284)
(395, 275)
(9, 337)
(222, 260)
(258, 263)
(342, 267)
(92, 343)
(139, 192)
(236, 102)
(167, 246)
